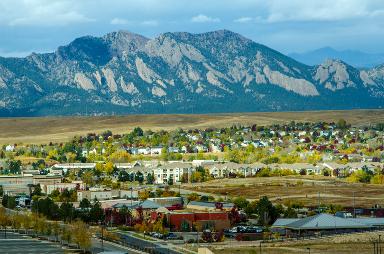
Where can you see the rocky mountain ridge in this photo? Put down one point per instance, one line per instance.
(219, 71)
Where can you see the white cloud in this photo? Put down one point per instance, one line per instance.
(201, 18)
(118, 21)
(41, 13)
(325, 10)
(57, 20)
(243, 20)
(150, 23)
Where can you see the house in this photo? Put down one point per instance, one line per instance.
(172, 172)
(9, 148)
(156, 150)
(173, 149)
(48, 188)
(94, 194)
(146, 150)
(298, 167)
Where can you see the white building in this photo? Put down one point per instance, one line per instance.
(94, 194)
(10, 148)
(78, 185)
(172, 172)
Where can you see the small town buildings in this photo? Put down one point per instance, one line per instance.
(171, 203)
(326, 222)
(186, 221)
(77, 185)
(67, 166)
(172, 172)
(94, 194)
(146, 150)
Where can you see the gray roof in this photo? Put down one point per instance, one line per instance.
(283, 222)
(210, 204)
(369, 221)
(322, 221)
(147, 204)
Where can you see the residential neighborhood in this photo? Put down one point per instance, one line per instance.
(159, 183)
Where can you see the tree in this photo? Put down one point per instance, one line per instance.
(139, 177)
(96, 213)
(303, 172)
(55, 229)
(3, 217)
(138, 132)
(290, 213)
(9, 202)
(126, 214)
(240, 202)
(87, 178)
(123, 176)
(109, 168)
(14, 167)
(36, 190)
(66, 234)
(150, 178)
(377, 179)
(341, 124)
(81, 235)
(193, 197)
(84, 203)
(361, 176)
(266, 212)
(67, 211)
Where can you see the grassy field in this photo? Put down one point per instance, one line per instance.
(296, 188)
(57, 129)
(342, 244)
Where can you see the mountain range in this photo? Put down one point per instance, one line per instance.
(355, 58)
(219, 71)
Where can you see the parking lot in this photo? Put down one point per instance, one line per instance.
(15, 243)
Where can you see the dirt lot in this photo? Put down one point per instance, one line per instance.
(57, 129)
(361, 243)
(305, 189)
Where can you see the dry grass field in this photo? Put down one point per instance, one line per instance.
(342, 244)
(57, 129)
(296, 188)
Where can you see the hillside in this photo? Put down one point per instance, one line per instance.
(220, 71)
(59, 129)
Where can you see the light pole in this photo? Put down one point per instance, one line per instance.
(354, 210)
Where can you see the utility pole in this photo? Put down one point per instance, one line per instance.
(354, 210)
(102, 237)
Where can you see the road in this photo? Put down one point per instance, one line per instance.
(97, 247)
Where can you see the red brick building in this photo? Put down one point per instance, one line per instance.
(184, 221)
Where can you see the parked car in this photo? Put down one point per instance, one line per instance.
(172, 236)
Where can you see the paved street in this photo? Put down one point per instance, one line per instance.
(111, 247)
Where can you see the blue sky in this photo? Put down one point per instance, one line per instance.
(286, 25)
